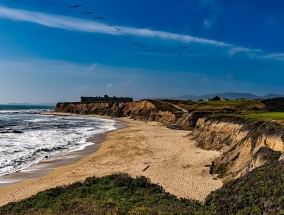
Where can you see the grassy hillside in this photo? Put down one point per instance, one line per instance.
(259, 192)
(114, 194)
(269, 109)
(219, 106)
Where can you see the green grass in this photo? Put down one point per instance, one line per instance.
(216, 105)
(261, 191)
(242, 106)
(267, 116)
(114, 194)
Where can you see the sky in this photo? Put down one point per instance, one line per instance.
(51, 51)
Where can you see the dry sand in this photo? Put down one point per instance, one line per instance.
(173, 159)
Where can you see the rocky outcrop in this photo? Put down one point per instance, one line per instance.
(246, 144)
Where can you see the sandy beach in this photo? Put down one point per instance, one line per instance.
(170, 158)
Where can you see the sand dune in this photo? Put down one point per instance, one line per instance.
(168, 157)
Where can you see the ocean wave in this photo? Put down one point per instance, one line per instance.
(26, 139)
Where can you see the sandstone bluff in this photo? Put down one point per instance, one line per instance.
(245, 144)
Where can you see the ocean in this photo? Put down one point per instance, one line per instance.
(27, 137)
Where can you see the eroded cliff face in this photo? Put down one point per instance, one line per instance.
(245, 144)
(141, 110)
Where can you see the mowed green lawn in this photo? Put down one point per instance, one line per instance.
(267, 115)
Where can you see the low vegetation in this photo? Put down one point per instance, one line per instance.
(164, 106)
(239, 106)
(267, 115)
(114, 194)
(259, 192)
(276, 104)
(269, 109)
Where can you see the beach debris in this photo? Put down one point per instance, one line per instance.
(212, 168)
(145, 168)
(186, 166)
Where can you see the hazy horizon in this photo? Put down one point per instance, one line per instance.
(50, 52)
(211, 95)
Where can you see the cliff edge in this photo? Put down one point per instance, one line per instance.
(145, 110)
(245, 143)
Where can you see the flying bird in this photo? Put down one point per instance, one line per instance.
(89, 12)
(76, 6)
(118, 29)
(110, 25)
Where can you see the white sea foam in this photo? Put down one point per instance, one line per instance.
(43, 136)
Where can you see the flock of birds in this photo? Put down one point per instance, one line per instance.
(179, 51)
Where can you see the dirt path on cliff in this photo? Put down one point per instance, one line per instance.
(183, 110)
(166, 156)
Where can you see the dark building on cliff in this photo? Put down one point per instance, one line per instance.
(106, 98)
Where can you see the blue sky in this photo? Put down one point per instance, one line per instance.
(50, 52)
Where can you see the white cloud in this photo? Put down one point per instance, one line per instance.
(109, 86)
(92, 67)
(275, 56)
(207, 23)
(236, 50)
(213, 8)
(256, 53)
(75, 24)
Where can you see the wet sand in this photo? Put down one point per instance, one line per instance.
(47, 165)
(172, 159)
(66, 158)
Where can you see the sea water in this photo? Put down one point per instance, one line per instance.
(27, 137)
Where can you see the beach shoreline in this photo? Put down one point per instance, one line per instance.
(44, 167)
(172, 158)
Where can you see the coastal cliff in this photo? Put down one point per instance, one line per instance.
(145, 110)
(245, 143)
